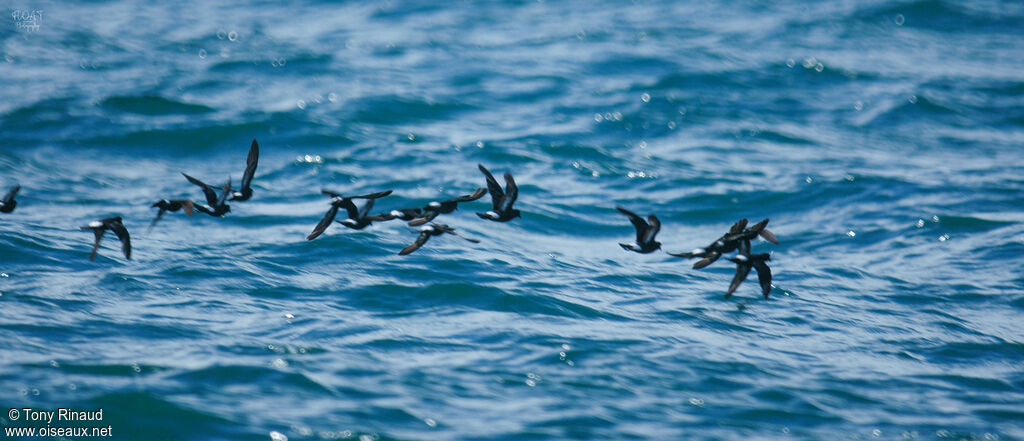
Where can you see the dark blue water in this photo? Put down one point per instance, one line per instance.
(884, 139)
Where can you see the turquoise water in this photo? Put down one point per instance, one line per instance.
(883, 139)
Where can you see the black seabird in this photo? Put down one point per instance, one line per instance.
(358, 219)
(339, 201)
(244, 193)
(645, 232)
(8, 203)
(113, 224)
(444, 207)
(744, 261)
(215, 205)
(171, 205)
(729, 242)
(502, 200)
(426, 231)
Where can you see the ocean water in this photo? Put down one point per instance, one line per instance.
(883, 138)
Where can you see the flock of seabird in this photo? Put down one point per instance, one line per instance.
(502, 199)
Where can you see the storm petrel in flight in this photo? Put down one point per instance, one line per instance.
(113, 224)
(8, 203)
(426, 231)
(645, 232)
(730, 241)
(358, 219)
(215, 205)
(171, 205)
(501, 200)
(339, 201)
(744, 262)
(444, 207)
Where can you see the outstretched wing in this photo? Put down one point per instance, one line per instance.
(511, 192)
(376, 195)
(324, 223)
(211, 196)
(10, 195)
(769, 236)
(330, 193)
(427, 216)
(159, 214)
(365, 210)
(638, 223)
(251, 162)
(98, 234)
(738, 227)
(415, 245)
(492, 187)
(477, 194)
(655, 227)
(711, 258)
(764, 276)
(186, 205)
(122, 234)
(224, 193)
(742, 269)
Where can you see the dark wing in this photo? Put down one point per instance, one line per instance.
(251, 162)
(427, 216)
(742, 269)
(477, 194)
(415, 245)
(655, 227)
(211, 196)
(376, 195)
(10, 195)
(224, 193)
(452, 231)
(685, 255)
(366, 209)
(122, 234)
(98, 233)
(738, 227)
(711, 258)
(758, 227)
(324, 223)
(638, 223)
(187, 205)
(493, 188)
(330, 193)
(769, 236)
(203, 209)
(159, 214)
(511, 192)
(764, 275)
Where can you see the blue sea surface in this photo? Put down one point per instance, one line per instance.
(883, 138)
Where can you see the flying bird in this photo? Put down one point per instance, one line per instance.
(501, 200)
(645, 232)
(8, 203)
(113, 224)
(426, 231)
(359, 219)
(215, 205)
(744, 262)
(435, 208)
(173, 205)
(339, 201)
(738, 234)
